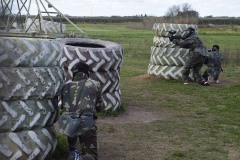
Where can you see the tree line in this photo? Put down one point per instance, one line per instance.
(183, 14)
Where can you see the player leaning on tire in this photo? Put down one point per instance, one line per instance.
(81, 98)
(197, 56)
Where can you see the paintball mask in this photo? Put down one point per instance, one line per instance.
(188, 32)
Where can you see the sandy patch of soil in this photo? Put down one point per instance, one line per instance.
(134, 115)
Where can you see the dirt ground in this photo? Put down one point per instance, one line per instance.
(113, 144)
(114, 132)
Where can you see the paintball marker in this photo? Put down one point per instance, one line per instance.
(172, 36)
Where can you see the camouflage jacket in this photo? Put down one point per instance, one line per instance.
(193, 43)
(86, 91)
(214, 59)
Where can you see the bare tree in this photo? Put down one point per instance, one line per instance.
(186, 7)
(173, 12)
(181, 14)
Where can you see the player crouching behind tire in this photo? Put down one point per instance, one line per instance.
(81, 98)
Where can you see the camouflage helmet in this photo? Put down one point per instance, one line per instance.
(80, 67)
(190, 29)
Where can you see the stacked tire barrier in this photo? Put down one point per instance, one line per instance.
(167, 60)
(45, 26)
(105, 60)
(30, 81)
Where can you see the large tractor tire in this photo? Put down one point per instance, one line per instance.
(46, 26)
(30, 80)
(109, 81)
(27, 115)
(162, 42)
(169, 56)
(162, 29)
(167, 72)
(29, 52)
(35, 144)
(112, 100)
(104, 59)
(30, 83)
(98, 54)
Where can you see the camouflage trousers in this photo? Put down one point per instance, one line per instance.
(212, 71)
(195, 62)
(88, 143)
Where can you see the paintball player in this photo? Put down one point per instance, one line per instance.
(192, 41)
(81, 98)
(214, 64)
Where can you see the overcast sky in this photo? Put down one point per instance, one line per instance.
(149, 7)
(229, 8)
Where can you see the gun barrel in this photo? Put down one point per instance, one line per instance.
(172, 32)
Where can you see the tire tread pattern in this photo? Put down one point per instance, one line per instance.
(161, 29)
(29, 52)
(27, 115)
(112, 100)
(109, 81)
(30, 83)
(162, 42)
(167, 72)
(98, 59)
(169, 56)
(28, 144)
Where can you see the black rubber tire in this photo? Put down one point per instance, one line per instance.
(30, 83)
(98, 54)
(104, 59)
(109, 81)
(169, 56)
(27, 115)
(29, 52)
(29, 144)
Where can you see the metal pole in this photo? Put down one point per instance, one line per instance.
(10, 9)
(28, 9)
(6, 6)
(20, 12)
(66, 18)
(49, 15)
(16, 15)
(40, 16)
(60, 16)
(2, 5)
(31, 23)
